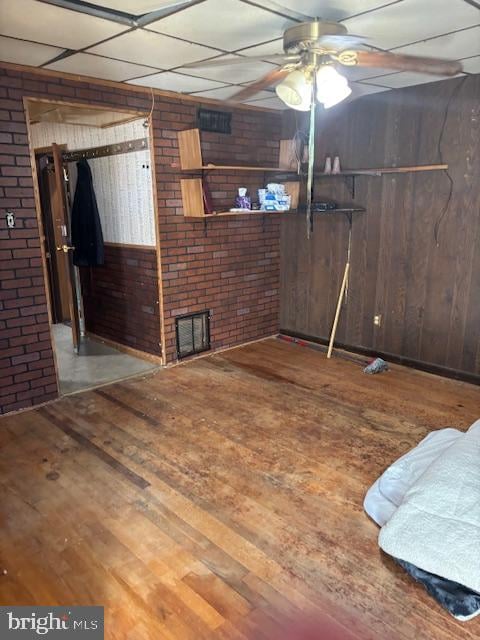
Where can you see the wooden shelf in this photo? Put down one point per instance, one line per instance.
(227, 167)
(379, 171)
(193, 205)
(191, 156)
(221, 214)
(340, 210)
(264, 212)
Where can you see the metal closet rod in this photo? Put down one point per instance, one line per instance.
(106, 150)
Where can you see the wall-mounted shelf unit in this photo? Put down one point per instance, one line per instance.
(193, 203)
(192, 188)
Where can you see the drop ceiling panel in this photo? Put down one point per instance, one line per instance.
(408, 21)
(135, 7)
(235, 73)
(22, 52)
(462, 44)
(176, 82)
(147, 47)
(472, 65)
(267, 49)
(331, 9)
(226, 24)
(98, 67)
(40, 22)
(406, 79)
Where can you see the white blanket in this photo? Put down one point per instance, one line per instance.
(387, 492)
(437, 526)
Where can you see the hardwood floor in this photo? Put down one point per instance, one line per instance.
(218, 498)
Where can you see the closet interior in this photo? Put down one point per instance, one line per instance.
(95, 191)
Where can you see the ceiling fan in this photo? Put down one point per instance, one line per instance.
(314, 52)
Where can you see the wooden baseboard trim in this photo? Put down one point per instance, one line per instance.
(214, 352)
(143, 355)
(136, 247)
(436, 369)
(31, 407)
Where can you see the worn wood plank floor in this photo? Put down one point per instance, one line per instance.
(214, 499)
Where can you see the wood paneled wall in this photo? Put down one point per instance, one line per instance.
(428, 294)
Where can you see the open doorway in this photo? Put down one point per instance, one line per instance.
(95, 203)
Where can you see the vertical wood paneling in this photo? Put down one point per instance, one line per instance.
(428, 295)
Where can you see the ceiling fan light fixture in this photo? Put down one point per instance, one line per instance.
(295, 91)
(337, 96)
(332, 87)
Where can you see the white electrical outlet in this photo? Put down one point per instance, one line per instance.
(377, 320)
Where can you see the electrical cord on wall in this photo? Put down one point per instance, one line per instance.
(438, 223)
(148, 120)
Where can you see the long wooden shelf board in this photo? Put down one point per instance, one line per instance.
(263, 212)
(339, 210)
(239, 213)
(228, 167)
(376, 171)
(383, 170)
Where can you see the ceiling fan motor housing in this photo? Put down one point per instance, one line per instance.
(308, 35)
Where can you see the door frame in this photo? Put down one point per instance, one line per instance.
(27, 100)
(57, 291)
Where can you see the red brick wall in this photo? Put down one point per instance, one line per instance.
(120, 298)
(230, 267)
(27, 374)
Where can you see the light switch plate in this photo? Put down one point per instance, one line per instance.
(10, 216)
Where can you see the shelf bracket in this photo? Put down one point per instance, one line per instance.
(350, 184)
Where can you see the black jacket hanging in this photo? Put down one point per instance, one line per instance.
(87, 237)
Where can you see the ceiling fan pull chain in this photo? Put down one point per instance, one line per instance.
(311, 156)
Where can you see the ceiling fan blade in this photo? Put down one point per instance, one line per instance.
(271, 78)
(276, 58)
(400, 62)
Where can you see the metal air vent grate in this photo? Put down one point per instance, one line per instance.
(193, 333)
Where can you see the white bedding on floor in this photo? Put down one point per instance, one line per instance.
(387, 493)
(437, 525)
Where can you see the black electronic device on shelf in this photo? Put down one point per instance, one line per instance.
(324, 205)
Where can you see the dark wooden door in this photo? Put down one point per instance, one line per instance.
(64, 247)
